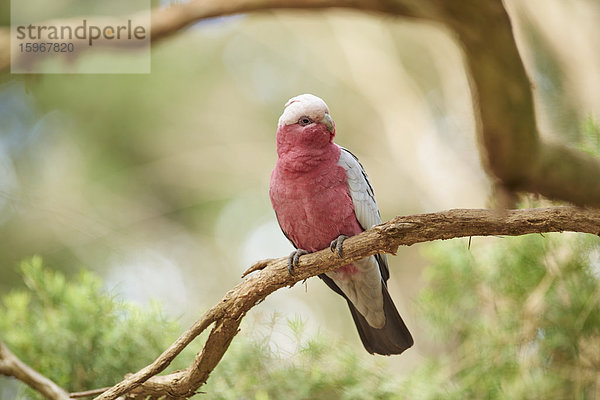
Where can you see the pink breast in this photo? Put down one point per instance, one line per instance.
(314, 208)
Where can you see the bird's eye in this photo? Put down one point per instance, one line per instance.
(303, 121)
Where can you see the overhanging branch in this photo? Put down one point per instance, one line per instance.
(167, 21)
(271, 275)
(501, 90)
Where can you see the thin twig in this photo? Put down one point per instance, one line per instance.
(257, 266)
(88, 393)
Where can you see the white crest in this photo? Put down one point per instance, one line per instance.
(303, 105)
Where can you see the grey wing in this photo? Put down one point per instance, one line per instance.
(363, 197)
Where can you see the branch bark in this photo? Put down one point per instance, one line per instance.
(10, 365)
(271, 275)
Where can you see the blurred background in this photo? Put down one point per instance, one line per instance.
(159, 182)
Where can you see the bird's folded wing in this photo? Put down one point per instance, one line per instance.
(363, 197)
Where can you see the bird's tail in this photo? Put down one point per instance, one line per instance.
(393, 338)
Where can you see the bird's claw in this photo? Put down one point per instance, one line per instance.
(337, 245)
(293, 259)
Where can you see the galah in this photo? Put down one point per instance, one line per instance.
(321, 196)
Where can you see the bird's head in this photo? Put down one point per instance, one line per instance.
(304, 124)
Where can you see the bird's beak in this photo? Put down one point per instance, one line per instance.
(328, 122)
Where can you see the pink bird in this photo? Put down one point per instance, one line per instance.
(321, 195)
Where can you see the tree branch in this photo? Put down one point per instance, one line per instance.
(505, 114)
(272, 275)
(167, 21)
(87, 393)
(10, 365)
(501, 90)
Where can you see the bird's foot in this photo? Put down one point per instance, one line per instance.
(336, 245)
(293, 259)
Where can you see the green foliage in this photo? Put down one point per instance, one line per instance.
(520, 319)
(318, 368)
(77, 334)
(83, 338)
